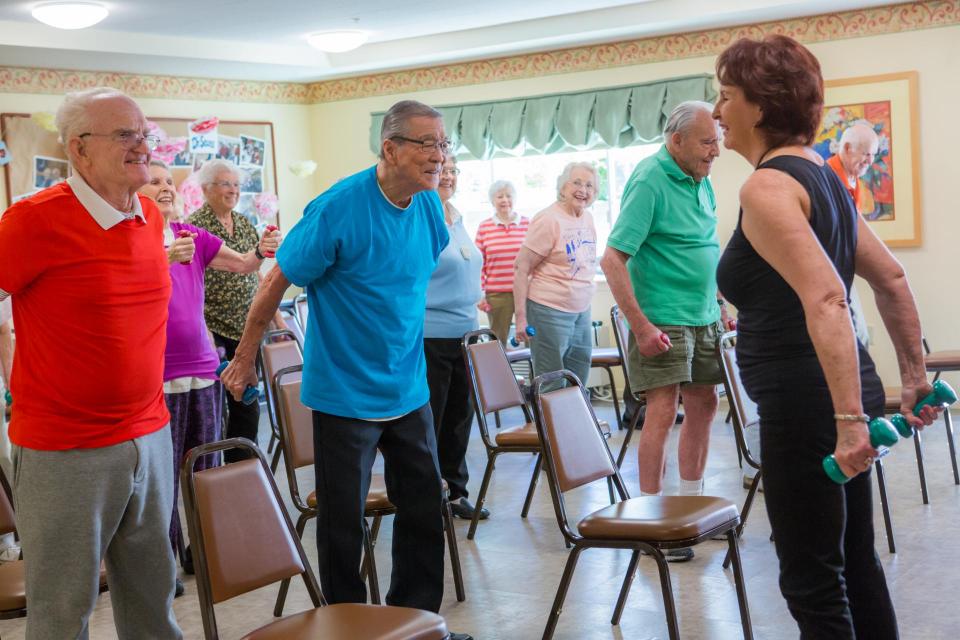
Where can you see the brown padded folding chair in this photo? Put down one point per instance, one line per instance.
(621, 334)
(275, 354)
(244, 540)
(296, 441)
(494, 388)
(576, 454)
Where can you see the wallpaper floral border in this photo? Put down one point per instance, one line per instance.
(896, 18)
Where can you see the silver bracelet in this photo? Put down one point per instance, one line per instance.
(851, 417)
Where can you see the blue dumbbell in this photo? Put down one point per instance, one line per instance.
(530, 332)
(250, 394)
(942, 394)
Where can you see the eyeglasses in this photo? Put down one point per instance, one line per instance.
(227, 185)
(450, 172)
(580, 184)
(427, 146)
(128, 139)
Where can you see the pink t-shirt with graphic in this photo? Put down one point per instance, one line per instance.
(564, 280)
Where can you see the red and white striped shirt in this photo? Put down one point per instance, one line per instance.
(500, 243)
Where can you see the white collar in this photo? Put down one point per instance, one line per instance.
(98, 208)
(514, 219)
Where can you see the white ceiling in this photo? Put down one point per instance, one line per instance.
(265, 40)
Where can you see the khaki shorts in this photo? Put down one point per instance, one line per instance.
(692, 359)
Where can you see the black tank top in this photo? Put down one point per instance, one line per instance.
(771, 325)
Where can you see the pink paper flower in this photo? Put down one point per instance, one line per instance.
(204, 125)
(192, 194)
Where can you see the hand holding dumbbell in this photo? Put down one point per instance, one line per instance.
(182, 248)
(250, 394)
(530, 332)
(270, 241)
(882, 437)
(942, 394)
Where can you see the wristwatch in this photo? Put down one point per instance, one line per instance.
(257, 253)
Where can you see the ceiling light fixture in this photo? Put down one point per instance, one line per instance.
(70, 15)
(338, 41)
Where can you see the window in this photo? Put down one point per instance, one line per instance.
(535, 179)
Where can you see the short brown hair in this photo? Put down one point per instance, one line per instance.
(783, 78)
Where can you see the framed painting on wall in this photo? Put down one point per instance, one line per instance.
(890, 187)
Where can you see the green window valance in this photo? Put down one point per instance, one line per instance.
(614, 117)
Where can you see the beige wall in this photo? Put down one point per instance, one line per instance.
(341, 131)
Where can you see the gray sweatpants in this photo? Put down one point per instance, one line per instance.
(79, 506)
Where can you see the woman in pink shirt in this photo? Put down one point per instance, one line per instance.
(554, 276)
(499, 239)
(190, 385)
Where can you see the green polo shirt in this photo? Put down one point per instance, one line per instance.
(668, 227)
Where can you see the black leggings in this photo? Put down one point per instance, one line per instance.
(830, 574)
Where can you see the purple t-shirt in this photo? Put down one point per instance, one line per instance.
(189, 352)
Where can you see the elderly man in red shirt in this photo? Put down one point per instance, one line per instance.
(92, 479)
(858, 149)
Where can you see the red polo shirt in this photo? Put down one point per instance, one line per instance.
(90, 307)
(838, 169)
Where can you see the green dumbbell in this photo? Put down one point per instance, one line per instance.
(882, 437)
(942, 394)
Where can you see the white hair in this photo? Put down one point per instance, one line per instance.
(212, 168)
(501, 185)
(73, 115)
(859, 134)
(684, 115)
(567, 170)
(395, 121)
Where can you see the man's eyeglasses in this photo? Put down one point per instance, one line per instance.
(427, 146)
(128, 139)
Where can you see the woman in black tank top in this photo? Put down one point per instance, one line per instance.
(788, 269)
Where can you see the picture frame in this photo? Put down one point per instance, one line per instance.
(890, 189)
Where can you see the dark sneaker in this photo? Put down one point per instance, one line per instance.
(684, 554)
(187, 563)
(463, 509)
(459, 636)
(178, 589)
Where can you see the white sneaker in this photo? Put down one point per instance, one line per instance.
(10, 554)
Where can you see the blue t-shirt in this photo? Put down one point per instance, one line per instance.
(365, 265)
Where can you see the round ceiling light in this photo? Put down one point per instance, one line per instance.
(70, 15)
(338, 41)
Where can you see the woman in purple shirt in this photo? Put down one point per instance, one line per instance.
(190, 384)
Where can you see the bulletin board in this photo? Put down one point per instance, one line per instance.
(37, 160)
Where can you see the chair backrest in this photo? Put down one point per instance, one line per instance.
(495, 386)
(621, 334)
(8, 519)
(279, 355)
(745, 413)
(241, 535)
(300, 305)
(292, 324)
(571, 433)
(296, 420)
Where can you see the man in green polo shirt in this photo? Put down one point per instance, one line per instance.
(660, 263)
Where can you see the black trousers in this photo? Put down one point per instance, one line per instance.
(452, 410)
(830, 574)
(345, 449)
(244, 419)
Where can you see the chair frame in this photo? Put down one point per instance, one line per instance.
(640, 397)
(948, 426)
(649, 547)
(270, 391)
(207, 614)
(493, 449)
(306, 512)
(11, 614)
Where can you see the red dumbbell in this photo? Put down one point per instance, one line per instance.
(183, 233)
(270, 227)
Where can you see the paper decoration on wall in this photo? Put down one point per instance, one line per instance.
(203, 135)
(172, 151)
(251, 179)
(303, 168)
(49, 171)
(228, 149)
(259, 208)
(191, 193)
(252, 151)
(45, 120)
(4, 153)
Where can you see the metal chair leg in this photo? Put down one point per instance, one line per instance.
(561, 593)
(533, 486)
(371, 563)
(491, 463)
(453, 550)
(734, 552)
(948, 426)
(669, 605)
(276, 460)
(885, 506)
(625, 589)
(918, 447)
(747, 505)
(616, 403)
(626, 439)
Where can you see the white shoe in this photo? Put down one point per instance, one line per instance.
(10, 554)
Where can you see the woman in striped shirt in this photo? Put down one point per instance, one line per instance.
(499, 239)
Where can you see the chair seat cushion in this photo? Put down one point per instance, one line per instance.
(659, 518)
(525, 436)
(13, 587)
(377, 499)
(943, 361)
(354, 621)
(891, 403)
(606, 356)
(518, 355)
